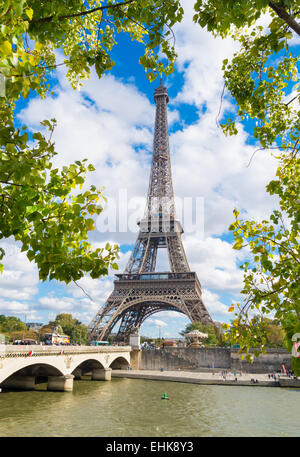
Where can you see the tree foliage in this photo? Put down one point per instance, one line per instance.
(41, 206)
(262, 78)
(260, 75)
(45, 329)
(271, 281)
(263, 332)
(276, 336)
(20, 335)
(64, 323)
(209, 329)
(9, 324)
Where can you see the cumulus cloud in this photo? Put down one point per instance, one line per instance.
(218, 310)
(20, 277)
(157, 322)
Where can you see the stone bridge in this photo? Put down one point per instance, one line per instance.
(21, 367)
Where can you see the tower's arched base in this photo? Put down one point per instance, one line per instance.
(136, 297)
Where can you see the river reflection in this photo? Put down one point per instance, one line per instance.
(132, 407)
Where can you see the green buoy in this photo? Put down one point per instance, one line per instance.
(164, 397)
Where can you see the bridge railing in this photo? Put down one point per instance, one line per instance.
(37, 350)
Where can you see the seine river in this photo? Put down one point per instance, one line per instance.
(133, 407)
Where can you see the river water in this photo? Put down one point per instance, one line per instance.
(133, 407)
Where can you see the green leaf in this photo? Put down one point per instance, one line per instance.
(6, 48)
(29, 12)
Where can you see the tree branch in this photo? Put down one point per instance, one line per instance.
(286, 104)
(283, 14)
(81, 13)
(83, 290)
(263, 238)
(221, 101)
(271, 147)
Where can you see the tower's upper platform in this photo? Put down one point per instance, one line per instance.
(161, 91)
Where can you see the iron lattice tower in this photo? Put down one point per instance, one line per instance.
(141, 291)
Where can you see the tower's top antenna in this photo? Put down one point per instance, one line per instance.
(161, 91)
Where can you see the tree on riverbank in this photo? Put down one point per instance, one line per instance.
(10, 323)
(14, 329)
(209, 329)
(72, 327)
(266, 332)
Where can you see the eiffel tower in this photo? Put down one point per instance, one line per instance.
(141, 291)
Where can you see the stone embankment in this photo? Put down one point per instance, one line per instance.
(213, 378)
(205, 359)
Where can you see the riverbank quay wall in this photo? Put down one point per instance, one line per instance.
(265, 363)
(202, 359)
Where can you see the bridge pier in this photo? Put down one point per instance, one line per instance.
(101, 374)
(136, 359)
(77, 373)
(61, 383)
(20, 383)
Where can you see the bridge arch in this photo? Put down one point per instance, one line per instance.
(120, 363)
(86, 366)
(30, 367)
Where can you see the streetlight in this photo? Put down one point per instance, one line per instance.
(24, 328)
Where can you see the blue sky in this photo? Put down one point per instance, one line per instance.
(110, 121)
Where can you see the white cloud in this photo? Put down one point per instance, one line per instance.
(112, 128)
(170, 315)
(200, 57)
(59, 304)
(156, 322)
(217, 309)
(19, 308)
(19, 280)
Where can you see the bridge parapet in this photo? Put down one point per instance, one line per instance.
(35, 350)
